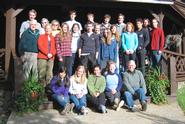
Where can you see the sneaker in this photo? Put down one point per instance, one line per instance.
(133, 109)
(116, 101)
(121, 103)
(144, 106)
(66, 109)
(103, 109)
(84, 110)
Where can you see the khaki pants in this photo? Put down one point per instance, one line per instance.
(29, 63)
(45, 70)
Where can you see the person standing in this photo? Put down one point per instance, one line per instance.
(129, 44)
(46, 56)
(26, 24)
(106, 22)
(157, 43)
(44, 22)
(63, 46)
(28, 49)
(121, 26)
(72, 20)
(88, 48)
(143, 41)
(135, 86)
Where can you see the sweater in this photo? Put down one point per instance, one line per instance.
(157, 39)
(108, 51)
(134, 80)
(75, 40)
(96, 84)
(58, 90)
(89, 44)
(129, 41)
(77, 88)
(28, 41)
(113, 81)
(43, 46)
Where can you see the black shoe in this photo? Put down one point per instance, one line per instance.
(144, 106)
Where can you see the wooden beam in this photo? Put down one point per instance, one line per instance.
(10, 44)
(173, 82)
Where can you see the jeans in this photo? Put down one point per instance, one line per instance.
(79, 102)
(30, 64)
(67, 62)
(62, 100)
(111, 97)
(156, 57)
(45, 70)
(129, 98)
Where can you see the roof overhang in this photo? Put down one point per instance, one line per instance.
(168, 2)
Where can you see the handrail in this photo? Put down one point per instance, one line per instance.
(173, 53)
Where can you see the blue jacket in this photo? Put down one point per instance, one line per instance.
(129, 41)
(59, 90)
(28, 41)
(109, 51)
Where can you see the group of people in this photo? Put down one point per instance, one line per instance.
(112, 48)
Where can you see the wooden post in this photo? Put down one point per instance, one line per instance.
(10, 44)
(173, 86)
(159, 17)
(183, 43)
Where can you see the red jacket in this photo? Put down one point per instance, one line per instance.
(43, 46)
(157, 39)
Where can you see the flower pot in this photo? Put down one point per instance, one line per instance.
(34, 95)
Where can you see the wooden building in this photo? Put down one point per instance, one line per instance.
(169, 12)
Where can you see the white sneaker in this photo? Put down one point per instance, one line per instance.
(84, 110)
(121, 103)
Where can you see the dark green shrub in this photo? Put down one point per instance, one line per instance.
(31, 96)
(157, 84)
(181, 98)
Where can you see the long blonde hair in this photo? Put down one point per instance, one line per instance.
(117, 36)
(107, 37)
(83, 78)
(64, 34)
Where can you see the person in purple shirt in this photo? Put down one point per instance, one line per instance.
(60, 87)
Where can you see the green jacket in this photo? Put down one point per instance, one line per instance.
(96, 84)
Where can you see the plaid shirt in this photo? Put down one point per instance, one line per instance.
(63, 47)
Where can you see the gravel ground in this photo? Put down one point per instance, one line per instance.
(155, 114)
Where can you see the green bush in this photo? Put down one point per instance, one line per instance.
(31, 96)
(157, 84)
(181, 98)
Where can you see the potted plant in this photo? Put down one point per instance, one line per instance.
(157, 84)
(31, 95)
(181, 98)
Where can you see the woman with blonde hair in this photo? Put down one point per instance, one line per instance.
(63, 45)
(78, 90)
(129, 44)
(108, 49)
(55, 25)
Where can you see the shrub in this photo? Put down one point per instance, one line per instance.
(31, 95)
(157, 84)
(181, 98)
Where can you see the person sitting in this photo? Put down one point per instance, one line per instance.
(113, 86)
(60, 88)
(134, 83)
(78, 90)
(96, 86)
